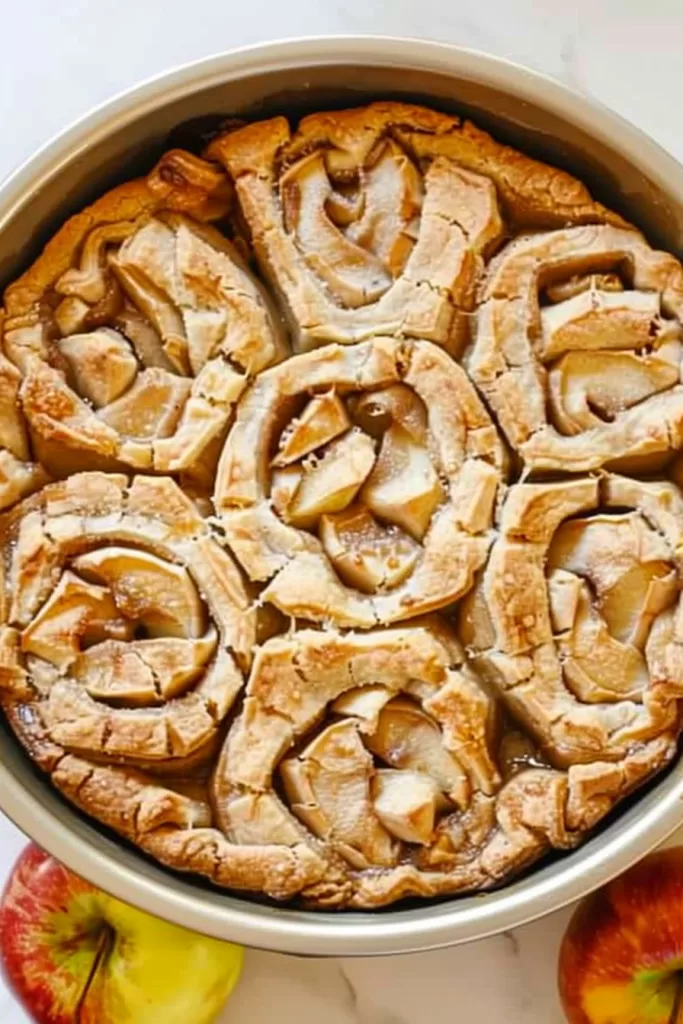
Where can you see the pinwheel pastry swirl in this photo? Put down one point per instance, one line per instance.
(125, 629)
(360, 483)
(137, 328)
(576, 622)
(363, 768)
(390, 613)
(578, 349)
(378, 220)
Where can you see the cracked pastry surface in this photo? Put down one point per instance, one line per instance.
(360, 577)
(125, 628)
(137, 328)
(578, 349)
(378, 220)
(576, 619)
(19, 473)
(359, 483)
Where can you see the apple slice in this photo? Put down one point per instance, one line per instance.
(76, 612)
(72, 953)
(375, 411)
(323, 419)
(406, 737)
(593, 320)
(626, 562)
(393, 194)
(558, 291)
(151, 408)
(353, 276)
(403, 487)
(332, 482)
(363, 703)
(405, 803)
(596, 665)
(328, 786)
(142, 672)
(284, 484)
(102, 364)
(158, 594)
(587, 389)
(366, 555)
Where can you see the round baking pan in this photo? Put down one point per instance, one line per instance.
(624, 169)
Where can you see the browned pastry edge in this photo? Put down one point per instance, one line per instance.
(535, 194)
(163, 818)
(180, 181)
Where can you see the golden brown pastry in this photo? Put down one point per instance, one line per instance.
(359, 483)
(377, 220)
(396, 792)
(578, 349)
(124, 627)
(576, 622)
(260, 691)
(19, 474)
(136, 329)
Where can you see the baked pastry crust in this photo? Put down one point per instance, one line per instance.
(19, 474)
(377, 220)
(594, 378)
(344, 835)
(423, 480)
(576, 619)
(125, 628)
(260, 690)
(137, 328)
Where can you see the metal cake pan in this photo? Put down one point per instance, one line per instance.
(623, 167)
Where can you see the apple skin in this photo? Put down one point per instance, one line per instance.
(75, 955)
(621, 959)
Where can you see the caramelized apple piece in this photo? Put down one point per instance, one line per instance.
(595, 320)
(76, 612)
(626, 563)
(630, 607)
(375, 411)
(405, 803)
(572, 286)
(364, 703)
(517, 753)
(403, 487)
(151, 407)
(158, 594)
(354, 276)
(393, 193)
(328, 787)
(323, 419)
(587, 389)
(332, 483)
(406, 737)
(143, 672)
(284, 484)
(146, 267)
(596, 665)
(366, 555)
(102, 364)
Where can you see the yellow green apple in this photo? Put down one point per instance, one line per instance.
(72, 953)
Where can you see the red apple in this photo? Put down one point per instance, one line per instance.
(75, 955)
(621, 960)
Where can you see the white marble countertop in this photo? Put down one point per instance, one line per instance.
(60, 59)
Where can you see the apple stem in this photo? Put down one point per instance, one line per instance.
(105, 946)
(677, 1011)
